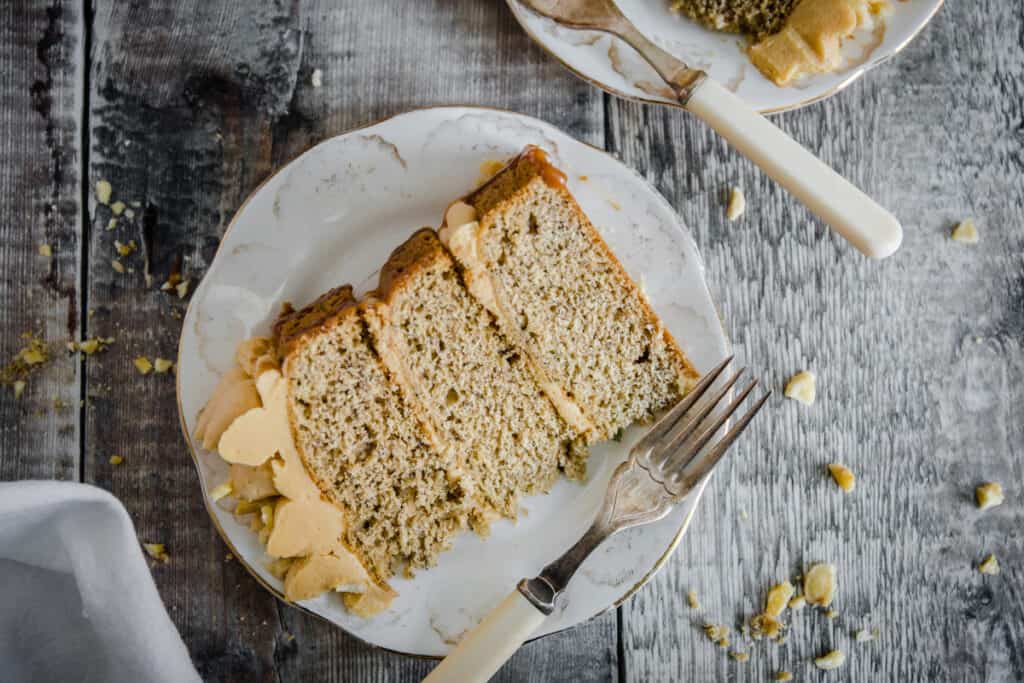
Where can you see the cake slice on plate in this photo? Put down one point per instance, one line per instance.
(474, 375)
(531, 257)
(362, 441)
(469, 382)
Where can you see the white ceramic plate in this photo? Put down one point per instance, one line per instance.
(332, 216)
(612, 65)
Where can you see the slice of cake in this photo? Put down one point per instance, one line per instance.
(531, 257)
(362, 442)
(753, 17)
(471, 383)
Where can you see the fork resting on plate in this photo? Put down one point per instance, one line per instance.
(666, 464)
(858, 218)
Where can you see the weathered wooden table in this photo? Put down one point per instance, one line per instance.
(184, 106)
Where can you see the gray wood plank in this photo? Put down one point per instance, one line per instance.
(40, 106)
(920, 366)
(192, 105)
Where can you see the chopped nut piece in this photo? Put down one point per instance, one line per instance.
(182, 288)
(117, 265)
(316, 79)
(229, 557)
(32, 355)
(691, 598)
(45, 250)
(842, 475)
(116, 460)
(765, 626)
(111, 224)
(91, 346)
(832, 660)
(103, 191)
(989, 495)
(129, 214)
(157, 551)
(737, 204)
(125, 249)
(778, 598)
(965, 232)
(723, 643)
(162, 365)
(820, 584)
(220, 491)
(863, 635)
(990, 566)
(831, 614)
(802, 387)
(739, 656)
(797, 603)
(117, 207)
(783, 676)
(716, 632)
(19, 388)
(143, 365)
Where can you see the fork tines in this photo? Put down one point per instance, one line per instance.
(675, 445)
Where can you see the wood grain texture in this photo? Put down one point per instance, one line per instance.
(192, 105)
(920, 358)
(40, 109)
(920, 368)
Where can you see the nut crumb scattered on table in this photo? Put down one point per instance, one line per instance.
(157, 551)
(865, 636)
(803, 387)
(143, 365)
(737, 204)
(990, 566)
(820, 584)
(965, 232)
(843, 477)
(832, 660)
(103, 191)
(116, 460)
(989, 495)
(45, 250)
(691, 598)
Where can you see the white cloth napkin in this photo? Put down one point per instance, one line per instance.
(77, 601)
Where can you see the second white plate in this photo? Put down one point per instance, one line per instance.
(332, 216)
(612, 65)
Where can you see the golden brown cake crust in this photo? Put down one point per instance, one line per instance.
(420, 250)
(532, 165)
(293, 326)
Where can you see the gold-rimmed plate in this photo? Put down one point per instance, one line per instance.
(332, 216)
(610, 64)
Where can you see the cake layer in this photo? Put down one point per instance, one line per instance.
(362, 442)
(559, 294)
(473, 386)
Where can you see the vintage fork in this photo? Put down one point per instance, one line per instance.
(834, 199)
(666, 464)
